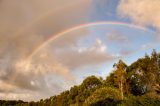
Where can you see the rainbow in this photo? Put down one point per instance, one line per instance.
(85, 26)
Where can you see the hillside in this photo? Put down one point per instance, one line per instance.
(134, 85)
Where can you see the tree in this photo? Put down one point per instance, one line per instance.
(120, 76)
(91, 82)
(144, 74)
(72, 94)
(89, 85)
(110, 80)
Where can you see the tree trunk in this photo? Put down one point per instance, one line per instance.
(121, 88)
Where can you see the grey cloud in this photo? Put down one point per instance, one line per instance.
(24, 25)
(39, 29)
(30, 84)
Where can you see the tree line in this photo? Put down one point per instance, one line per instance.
(135, 85)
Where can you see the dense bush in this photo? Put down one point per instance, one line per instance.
(149, 99)
(104, 97)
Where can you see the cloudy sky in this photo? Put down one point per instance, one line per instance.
(47, 46)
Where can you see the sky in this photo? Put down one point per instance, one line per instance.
(47, 46)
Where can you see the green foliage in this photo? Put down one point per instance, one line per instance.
(120, 77)
(103, 96)
(110, 81)
(11, 103)
(89, 85)
(91, 82)
(149, 99)
(144, 74)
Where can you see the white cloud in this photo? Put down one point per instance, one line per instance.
(143, 12)
(115, 36)
(75, 57)
(97, 47)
